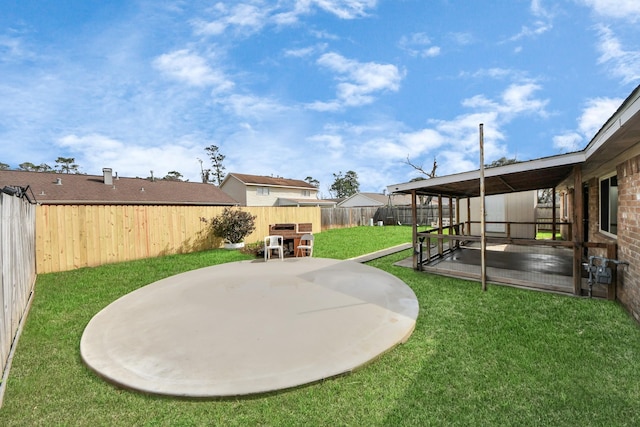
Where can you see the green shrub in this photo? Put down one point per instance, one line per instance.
(233, 225)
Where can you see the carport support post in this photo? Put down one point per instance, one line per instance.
(483, 234)
(469, 216)
(440, 229)
(553, 213)
(578, 229)
(414, 221)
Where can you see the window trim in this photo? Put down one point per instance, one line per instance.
(601, 181)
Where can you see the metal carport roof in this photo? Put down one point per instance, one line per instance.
(547, 172)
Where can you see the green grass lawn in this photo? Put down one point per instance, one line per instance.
(502, 357)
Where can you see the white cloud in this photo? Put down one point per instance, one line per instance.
(568, 142)
(621, 9)
(243, 17)
(96, 151)
(345, 9)
(516, 99)
(462, 39)
(419, 44)
(13, 48)
(595, 113)
(621, 63)
(331, 144)
(494, 73)
(359, 81)
(305, 51)
(192, 69)
(249, 17)
(248, 106)
(543, 22)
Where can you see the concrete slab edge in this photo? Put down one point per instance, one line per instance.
(381, 253)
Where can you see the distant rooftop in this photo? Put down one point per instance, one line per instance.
(60, 188)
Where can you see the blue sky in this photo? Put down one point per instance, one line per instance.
(309, 87)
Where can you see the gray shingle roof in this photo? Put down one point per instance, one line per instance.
(272, 181)
(57, 188)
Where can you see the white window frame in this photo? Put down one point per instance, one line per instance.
(611, 227)
(305, 193)
(262, 191)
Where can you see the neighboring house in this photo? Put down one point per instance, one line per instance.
(361, 200)
(599, 190)
(256, 190)
(48, 188)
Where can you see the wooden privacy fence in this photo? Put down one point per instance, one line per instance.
(544, 216)
(17, 262)
(346, 217)
(389, 215)
(74, 236)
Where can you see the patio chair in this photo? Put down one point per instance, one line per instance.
(305, 248)
(272, 243)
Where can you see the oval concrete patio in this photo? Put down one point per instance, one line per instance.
(249, 327)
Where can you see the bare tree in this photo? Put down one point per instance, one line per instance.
(420, 169)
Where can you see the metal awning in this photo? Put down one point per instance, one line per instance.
(547, 172)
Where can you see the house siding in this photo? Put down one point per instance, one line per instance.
(253, 199)
(628, 291)
(236, 189)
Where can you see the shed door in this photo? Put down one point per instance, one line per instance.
(495, 211)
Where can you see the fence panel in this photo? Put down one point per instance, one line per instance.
(17, 265)
(75, 236)
(544, 216)
(389, 215)
(347, 217)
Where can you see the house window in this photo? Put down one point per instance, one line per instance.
(262, 191)
(306, 193)
(609, 205)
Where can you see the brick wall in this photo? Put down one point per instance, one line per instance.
(629, 234)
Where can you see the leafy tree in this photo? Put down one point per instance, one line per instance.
(545, 195)
(4, 166)
(173, 176)
(501, 162)
(344, 185)
(312, 181)
(67, 165)
(216, 162)
(28, 166)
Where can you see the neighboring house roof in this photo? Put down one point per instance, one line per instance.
(375, 199)
(269, 181)
(617, 136)
(56, 188)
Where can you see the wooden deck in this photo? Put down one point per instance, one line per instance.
(544, 268)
